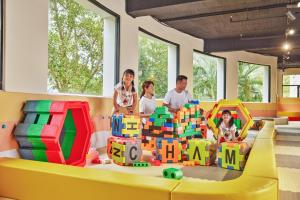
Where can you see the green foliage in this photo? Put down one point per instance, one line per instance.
(153, 64)
(75, 48)
(250, 82)
(205, 77)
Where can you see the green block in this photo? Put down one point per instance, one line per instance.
(43, 106)
(154, 116)
(141, 164)
(34, 136)
(68, 135)
(237, 123)
(39, 155)
(216, 120)
(167, 116)
(43, 118)
(189, 105)
(161, 110)
(173, 173)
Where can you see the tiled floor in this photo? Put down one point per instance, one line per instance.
(287, 149)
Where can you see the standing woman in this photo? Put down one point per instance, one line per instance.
(147, 100)
(125, 96)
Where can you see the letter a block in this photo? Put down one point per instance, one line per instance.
(168, 150)
(233, 155)
(201, 151)
(126, 151)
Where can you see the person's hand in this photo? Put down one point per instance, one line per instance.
(130, 111)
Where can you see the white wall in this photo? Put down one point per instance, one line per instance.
(232, 70)
(26, 43)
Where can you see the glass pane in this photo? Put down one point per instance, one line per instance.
(291, 79)
(153, 63)
(289, 91)
(205, 69)
(251, 81)
(75, 44)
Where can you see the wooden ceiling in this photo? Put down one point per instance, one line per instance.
(227, 25)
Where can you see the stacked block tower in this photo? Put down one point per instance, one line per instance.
(167, 134)
(124, 146)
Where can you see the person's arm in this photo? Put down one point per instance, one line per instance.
(134, 102)
(116, 106)
(189, 96)
(167, 101)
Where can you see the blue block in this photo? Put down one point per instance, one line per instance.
(151, 119)
(116, 125)
(195, 101)
(169, 125)
(220, 162)
(230, 167)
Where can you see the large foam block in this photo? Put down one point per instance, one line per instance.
(233, 155)
(126, 151)
(201, 151)
(168, 150)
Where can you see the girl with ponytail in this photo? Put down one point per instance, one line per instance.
(125, 96)
(147, 99)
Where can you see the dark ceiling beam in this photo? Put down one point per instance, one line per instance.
(237, 44)
(289, 65)
(201, 15)
(292, 59)
(138, 8)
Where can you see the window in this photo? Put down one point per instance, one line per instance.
(208, 77)
(158, 61)
(291, 86)
(1, 44)
(253, 82)
(82, 46)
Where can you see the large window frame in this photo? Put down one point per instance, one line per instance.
(116, 51)
(224, 71)
(269, 79)
(297, 85)
(171, 77)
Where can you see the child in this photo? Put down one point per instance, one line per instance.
(125, 96)
(227, 128)
(147, 100)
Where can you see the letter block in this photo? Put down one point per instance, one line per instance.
(233, 155)
(201, 151)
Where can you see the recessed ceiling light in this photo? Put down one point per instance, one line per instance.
(291, 32)
(298, 5)
(286, 46)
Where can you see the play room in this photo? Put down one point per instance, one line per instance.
(149, 99)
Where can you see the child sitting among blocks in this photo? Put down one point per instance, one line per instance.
(227, 129)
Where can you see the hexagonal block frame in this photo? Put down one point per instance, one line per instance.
(231, 104)
(55, 131)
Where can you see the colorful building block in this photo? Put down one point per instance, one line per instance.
(233, 155)
(125, 151)
(189, 163)
(201, 151)
(141, 164)
(126, 126)
(172, 173)
(55, 131)
(168, 150)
